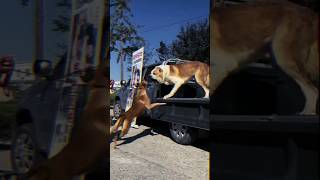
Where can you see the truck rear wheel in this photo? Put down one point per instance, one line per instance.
(183, 134)
(24, 152)
(117, 109)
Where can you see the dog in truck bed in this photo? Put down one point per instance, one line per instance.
(288, 31)
(179, 74)
(140, 103)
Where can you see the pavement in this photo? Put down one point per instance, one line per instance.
(141, 155)
(5, 162)
(144, 155)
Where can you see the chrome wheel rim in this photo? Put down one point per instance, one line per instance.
(24, 152)
(179, 130)
(116, 110)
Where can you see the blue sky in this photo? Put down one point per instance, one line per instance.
(17, 38)
(152, 14)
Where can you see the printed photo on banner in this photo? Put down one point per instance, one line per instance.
(137, 64)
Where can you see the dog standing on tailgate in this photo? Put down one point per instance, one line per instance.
(140, 103)
(179, 74)
(289, 31)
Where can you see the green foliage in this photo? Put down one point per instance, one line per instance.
(124, 36)
(163, 52)
(192, 43)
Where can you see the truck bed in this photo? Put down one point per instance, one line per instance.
(193, 112)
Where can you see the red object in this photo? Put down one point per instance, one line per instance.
(6, 68)
(111, 84)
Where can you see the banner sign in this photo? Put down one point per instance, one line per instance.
(84, 52)
(136, 75)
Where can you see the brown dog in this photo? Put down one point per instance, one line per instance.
(238, 33)
(179, 74)
(89, 142)
(140, 103)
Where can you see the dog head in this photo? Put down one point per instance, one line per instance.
(143, 84)
(158, 74)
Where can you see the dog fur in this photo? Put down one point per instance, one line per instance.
(179, 74)
(238, 33)
(140, 103)
(89, 141)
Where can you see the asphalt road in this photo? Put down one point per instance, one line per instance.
(141, 155)
(5, 163)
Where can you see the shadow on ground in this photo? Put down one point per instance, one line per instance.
(160, 127)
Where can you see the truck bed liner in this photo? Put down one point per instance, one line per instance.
(294, 123)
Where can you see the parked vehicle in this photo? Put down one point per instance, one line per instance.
(36, 113)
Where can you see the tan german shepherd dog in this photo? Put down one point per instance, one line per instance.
(140, 103)
(179, 74)
(238, 33)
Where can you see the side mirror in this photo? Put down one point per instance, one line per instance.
(42, 68)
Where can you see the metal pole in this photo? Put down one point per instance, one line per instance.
(39, 25)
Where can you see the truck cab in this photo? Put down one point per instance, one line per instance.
(35, 117)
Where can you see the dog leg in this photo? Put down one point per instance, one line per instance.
(290, 54)
(222, 64)
(115, 139)
(126, 127)
(309, 91)
(173, 91)
(154, 105)
(206, 90)
(202, 82)
(116, 126)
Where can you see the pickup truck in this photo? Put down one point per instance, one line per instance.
(255, 130)
(187, 112)
(35, 116)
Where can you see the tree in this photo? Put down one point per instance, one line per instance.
(124, 36)
(60, 23)
(192, 43)
(163, 52)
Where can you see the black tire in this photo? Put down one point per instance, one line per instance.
(183, 134)
(117, 109)
(24, 152)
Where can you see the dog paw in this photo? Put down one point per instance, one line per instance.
(115, 147)
(166, 96)
(161, 104)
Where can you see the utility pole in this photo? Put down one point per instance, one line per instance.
(122, 58)
(39, 25)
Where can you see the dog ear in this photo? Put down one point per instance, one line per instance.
(144, 82)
